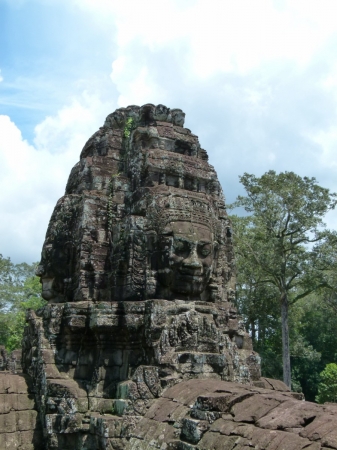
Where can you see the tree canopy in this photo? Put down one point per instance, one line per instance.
(20, 289)
(327, 388)
(283, 240)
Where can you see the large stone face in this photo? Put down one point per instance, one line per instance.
(138, 271)
(143, 217)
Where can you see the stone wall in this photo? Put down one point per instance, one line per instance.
(10, 362)
(19, 425)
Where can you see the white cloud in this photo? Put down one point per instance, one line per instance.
(1, 77)
(203, 41)
(327, 142)
(135, 83)
(257, 80)
(64, 132)
(222, 36)
(33, 177)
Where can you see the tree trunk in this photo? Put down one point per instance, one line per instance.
(252, 325)
(285, 341)
(261, 333)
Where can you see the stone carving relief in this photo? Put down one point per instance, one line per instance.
(138, 271)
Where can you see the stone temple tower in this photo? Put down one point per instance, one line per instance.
(138, 270)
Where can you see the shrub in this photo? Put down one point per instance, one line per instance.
(327, 388)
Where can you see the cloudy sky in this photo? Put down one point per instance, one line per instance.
(257, 80)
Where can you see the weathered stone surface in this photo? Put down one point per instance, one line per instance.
(140, 346)
(10, 362)
(19, 425)
(3, 358)
(233, 416)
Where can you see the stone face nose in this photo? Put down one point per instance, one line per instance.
(192, 261)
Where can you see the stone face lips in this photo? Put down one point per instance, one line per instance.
(138, 271)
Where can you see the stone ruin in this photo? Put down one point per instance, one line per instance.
(140, 346)
(3, 358)
(12, 362)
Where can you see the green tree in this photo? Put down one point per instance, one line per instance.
(306, 358)
(255, 296)
(285, 221)
(256, 300)
(327, 388)
(20, 289)
(316, 322)
(327, 254)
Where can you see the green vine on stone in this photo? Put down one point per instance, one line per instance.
(128, 127)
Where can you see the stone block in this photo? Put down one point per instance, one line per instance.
(26, 420)
(101, 405)
(292, 413)
(15, 402)
(192, 430)
(10, 441)
(8, 422)
(32, 440)
(253, 408)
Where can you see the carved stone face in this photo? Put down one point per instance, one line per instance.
(161, 112)
(186, 258)
(178, 117)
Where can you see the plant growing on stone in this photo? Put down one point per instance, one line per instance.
(128, 127)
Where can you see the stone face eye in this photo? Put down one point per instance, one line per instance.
(204, 249)
(181, 247)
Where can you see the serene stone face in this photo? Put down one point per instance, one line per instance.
(187, 258)
(178, 117)
(161, 112)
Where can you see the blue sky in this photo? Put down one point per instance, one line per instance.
(257, 81)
